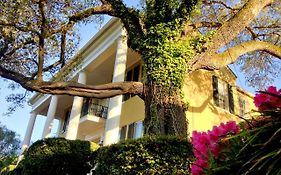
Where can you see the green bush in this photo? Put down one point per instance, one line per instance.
(57, 156)
(164, 155)
(7, 164)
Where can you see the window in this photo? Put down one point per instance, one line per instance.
(132, 75)
(66, 121)
(85, 106)
(223, 95)
(133, 130)
(242, 106)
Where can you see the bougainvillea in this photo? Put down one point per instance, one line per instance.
(206, 145)
(268, 100)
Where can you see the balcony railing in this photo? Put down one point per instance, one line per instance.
(94, 109)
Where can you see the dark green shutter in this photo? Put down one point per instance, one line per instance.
(215, 90)
(230, 99)
(136, 73)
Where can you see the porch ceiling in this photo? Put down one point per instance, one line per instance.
(64, 103)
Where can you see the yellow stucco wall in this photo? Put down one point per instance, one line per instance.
(132, 111)
(202, 113)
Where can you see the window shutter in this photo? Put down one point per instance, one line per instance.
(136, 73)
(215, 90)
(230, 99)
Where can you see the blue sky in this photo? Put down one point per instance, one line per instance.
(19, 119)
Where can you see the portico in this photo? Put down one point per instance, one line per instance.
(104, 61)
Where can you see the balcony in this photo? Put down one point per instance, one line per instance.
(93, 115)
(94, 110)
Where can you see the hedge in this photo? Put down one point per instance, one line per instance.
(164, 155)
(57, 156)
(149, 155)
(7, 164)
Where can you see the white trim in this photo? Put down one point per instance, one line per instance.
(40, 101)
(92, 118)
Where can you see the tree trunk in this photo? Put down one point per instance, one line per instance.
(164, 112)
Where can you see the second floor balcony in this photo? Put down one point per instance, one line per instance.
(94, 107)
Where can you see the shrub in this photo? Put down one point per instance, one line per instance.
(7, 164)
(149, 155)
(57, 156)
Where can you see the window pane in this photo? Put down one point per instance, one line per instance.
(85, 107)
(223, 95)
(242, 107)
(139, 129)
(215, 90)
(123, 133)
(129, 75)
(66, 121)
(230, 99)
(131, 131)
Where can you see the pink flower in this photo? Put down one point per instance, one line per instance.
(267, 101)
(272, 89)
(232, 126)
(218, 131)
(196, 170)
(212, 136)
(205, 143)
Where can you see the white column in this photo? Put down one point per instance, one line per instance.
(28, 133)
(75, 114)
(111, 134)
(50, 116)
(60, 125)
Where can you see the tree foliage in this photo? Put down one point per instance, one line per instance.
(9, 143)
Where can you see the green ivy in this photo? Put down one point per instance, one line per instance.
(166, 54)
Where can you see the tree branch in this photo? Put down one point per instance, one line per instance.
(20, 28)
(41, 44)
(219, 2)
(231, 55)
(129, 17)
(99, 91)
(103, 9)
(230, 29)
(62, 51)
(20, 46)
(206, 24)
(15, 76)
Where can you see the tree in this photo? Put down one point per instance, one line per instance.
(38, 37)
(9, 143)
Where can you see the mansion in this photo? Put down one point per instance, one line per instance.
(213, 96)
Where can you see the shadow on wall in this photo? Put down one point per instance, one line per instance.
(198, 89)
